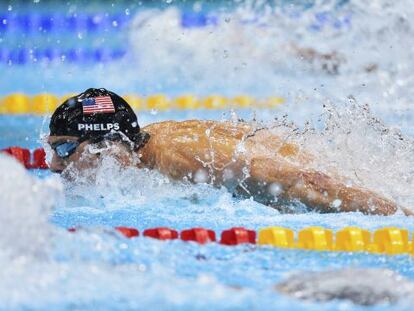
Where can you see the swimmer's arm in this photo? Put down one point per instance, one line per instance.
(318, 190)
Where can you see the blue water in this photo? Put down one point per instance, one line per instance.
(95, 268)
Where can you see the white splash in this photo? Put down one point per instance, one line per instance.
(25, 205)
(358, 48)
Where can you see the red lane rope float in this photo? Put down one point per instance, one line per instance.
(239, 235)
(20, 154)
(128, 232)
(161, 233)
(34, 160)
(39, 159)
(199, 235)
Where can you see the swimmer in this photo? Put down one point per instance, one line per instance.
(248, 162)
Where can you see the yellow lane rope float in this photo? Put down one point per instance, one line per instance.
(390, 241)
(45, 103)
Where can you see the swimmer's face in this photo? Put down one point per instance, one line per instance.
(80, 158)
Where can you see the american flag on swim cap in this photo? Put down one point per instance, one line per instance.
(100, 104)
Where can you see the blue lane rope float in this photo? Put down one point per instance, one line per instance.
(31, 23)
(23, 56)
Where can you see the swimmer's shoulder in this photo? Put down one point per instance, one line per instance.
(191, 126)
(168, 126)
(168, 139)
(167, 136)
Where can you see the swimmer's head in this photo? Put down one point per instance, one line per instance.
(93, 116)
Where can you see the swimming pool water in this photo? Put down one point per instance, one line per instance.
(94, 269)
(45, 267)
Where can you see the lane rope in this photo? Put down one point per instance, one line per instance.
(42, 104)
(23, 56)
(35, 159)
(386, 241)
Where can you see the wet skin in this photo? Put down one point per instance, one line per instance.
(249, 163)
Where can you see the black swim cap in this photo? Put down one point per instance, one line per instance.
(94, 114)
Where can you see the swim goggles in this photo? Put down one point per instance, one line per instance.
(65, 149)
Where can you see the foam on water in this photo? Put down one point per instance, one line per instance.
(147, 193)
